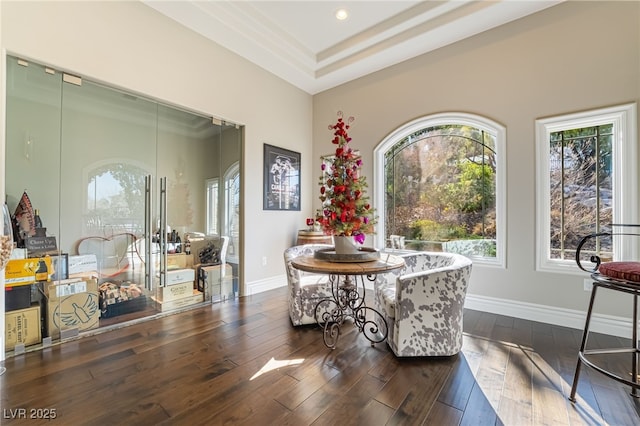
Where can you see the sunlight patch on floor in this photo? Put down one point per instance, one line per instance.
(274, 364)
(555, 388)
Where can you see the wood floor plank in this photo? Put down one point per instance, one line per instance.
(456, 391)
(443, 415)
(479, 411)
(491, 374)
(241, 362)
(516, 402)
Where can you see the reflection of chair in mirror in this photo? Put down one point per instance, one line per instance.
(305, 289)
(619, 276)
(423, 303)
(112, 254)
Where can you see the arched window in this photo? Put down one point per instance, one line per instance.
(440, 186)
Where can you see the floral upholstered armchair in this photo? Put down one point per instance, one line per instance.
(423, 303)
(305, 289)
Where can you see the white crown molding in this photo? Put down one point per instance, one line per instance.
(245, 30)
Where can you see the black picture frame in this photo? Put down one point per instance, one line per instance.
(281, 179)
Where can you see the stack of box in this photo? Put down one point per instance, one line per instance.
(178, 291)
(23, 322)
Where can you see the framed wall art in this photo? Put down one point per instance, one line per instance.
(281, 179)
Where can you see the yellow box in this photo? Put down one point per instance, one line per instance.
(27, 271)
(72, 304)
(175, 292)
(22, 326)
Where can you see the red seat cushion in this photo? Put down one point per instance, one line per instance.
(628, 271)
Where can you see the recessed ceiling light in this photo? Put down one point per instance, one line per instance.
(342, 14)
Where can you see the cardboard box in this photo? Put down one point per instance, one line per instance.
(22, 326)
(72, 304)
(195, 298)
(175, 292)
(83, 264)
(27, 271)
(178, 276)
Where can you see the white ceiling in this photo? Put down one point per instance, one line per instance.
(303, 43)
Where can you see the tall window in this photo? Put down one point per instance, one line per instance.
(212, 194)
(440, 186)
(587, 176)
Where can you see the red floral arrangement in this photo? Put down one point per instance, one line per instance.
(346, 210)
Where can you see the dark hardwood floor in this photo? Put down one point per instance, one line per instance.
(242, 363)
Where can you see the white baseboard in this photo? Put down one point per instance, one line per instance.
(606, 324)
(266, 284)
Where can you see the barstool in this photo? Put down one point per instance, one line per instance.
(617, 276)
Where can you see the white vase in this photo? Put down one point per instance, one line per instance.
(344, 245)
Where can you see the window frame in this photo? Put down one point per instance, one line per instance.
(433, 120)
(624, 178)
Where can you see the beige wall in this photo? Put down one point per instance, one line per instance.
(129, 45)
(572, 57)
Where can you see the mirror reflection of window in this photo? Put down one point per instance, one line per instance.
(232, 208)
(212, 194)
(115, 199)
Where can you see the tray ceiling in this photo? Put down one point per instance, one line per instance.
(303, 43)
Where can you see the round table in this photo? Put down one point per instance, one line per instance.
(348, 294)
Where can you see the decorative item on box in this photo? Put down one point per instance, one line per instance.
(207, 250)
(120, 299)
(27, 271)
(22, 326)
(72, 304)
(40, 246)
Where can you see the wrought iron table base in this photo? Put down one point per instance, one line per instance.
(347, 302)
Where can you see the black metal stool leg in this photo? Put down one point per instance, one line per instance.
(634, 342)
(585, 334)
